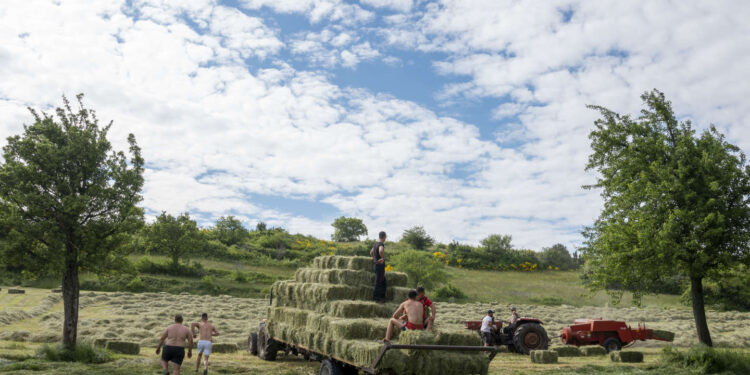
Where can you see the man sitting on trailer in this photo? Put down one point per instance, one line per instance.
(514, 318)
(429, 321)
(413, 311)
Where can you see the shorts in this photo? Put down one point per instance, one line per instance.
(174, 354)
(204, 346)
(411, 326)
(487, 338)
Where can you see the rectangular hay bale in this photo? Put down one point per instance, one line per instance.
(16, 291)
(223, 348)
(627, 356)
(567, 351)
(589, 351)
(347, 277)
(543, 356)
(343, 262)
(124, 347)
(664, 335)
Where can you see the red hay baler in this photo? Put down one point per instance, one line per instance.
(610, 334)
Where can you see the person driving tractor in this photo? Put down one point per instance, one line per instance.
(514, 318)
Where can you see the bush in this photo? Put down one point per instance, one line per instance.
(547, 301)
(421, 267)
(135, 285)
(417, 238)
(707, 360)
(447, 292)
(84, 352)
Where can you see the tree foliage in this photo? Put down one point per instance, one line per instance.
(348, 229)
(674, 202)
(229, 230)
(174, 236)
(422, 268)
(70, 198)
(557, 256)
(417, 238)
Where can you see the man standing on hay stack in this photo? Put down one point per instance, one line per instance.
(378, 258)
(409, 312)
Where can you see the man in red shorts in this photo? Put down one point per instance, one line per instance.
(426, 302)
(413, 311)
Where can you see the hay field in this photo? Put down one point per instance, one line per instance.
(141, 317)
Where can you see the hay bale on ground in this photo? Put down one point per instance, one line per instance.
(123, 347)
(567, 351)
(16, 291)
(101, 343)
(56, 291)
(628, 356)
(594, 350)
(223, 348)
(543, 356)
(664, 335)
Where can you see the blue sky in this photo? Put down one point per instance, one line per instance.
(465, 117)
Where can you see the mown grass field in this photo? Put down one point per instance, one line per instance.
(28, 320)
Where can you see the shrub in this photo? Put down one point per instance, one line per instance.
(421, 267)
(547, 301)
(707, 360)
(449, 291)
(417, 238)
(83, 352)
(135, 285)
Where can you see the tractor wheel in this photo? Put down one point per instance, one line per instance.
(612, 344)
(530, 336)
(267, 347)
(328, 367)
(252, 343)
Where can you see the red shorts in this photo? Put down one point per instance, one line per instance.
(411, 326)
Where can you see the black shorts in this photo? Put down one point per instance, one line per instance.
(174, 354)
(487, 338)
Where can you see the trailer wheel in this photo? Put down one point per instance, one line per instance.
(530, 336)
(328, 367)
(267, 347)
(612, 344)
(252, 343)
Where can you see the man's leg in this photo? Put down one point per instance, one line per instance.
(391, 323)
(428, 323)
(198, 362)
(205, 363)
(176, 368)
(165, 366)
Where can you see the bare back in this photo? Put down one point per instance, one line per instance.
(207, 330)
(177, 334)
(414, 311)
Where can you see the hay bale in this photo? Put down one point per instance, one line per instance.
(56, 291)
(223, 348)
(342, 262)
(123, 347)
(101, 343)
(594, 350)
(359, 309)
(346, 277)
(567, 351)
(543, 356)
(311, 295)
(628, 356)
(664, 335)
(16, 291)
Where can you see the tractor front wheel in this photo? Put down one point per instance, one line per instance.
(612, 344)
(530, 336)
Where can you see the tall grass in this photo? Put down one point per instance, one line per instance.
(707, 360)
(83, 352)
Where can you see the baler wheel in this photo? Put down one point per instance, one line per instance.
(612, 344)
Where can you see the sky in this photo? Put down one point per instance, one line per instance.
(466, 117)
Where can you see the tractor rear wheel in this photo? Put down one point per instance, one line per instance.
(612, 344)
(530, 336)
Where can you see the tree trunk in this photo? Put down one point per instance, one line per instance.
(699, 310)
(70, 291)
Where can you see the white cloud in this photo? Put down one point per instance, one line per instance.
(398, 5)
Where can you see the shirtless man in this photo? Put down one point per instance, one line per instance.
(412, 310)
(207, 330)
(174, 351)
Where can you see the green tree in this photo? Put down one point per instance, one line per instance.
(229, 230)
(417, 238)
(498, 249)
(421, 267)
(64, 188)
(674, 202)
(557, 256)
(348, 229)
(174, 236)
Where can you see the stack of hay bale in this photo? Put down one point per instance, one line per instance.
(328, 308)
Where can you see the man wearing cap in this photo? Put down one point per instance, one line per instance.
(488, 326)
(514, 318)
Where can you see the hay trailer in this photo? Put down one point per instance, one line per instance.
(527, 335)
(610, 334)
(267, 348)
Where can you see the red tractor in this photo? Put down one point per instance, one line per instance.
(610, 334)
(527, 335)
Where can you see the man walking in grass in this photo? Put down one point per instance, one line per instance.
(174, 351)
(378, 259)
(429, 320)
(207, 331)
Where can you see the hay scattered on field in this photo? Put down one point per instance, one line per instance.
(543, 356)
(626, 356)
(594, 350)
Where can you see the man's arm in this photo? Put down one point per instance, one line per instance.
(161, 341)
(398, 312)
(434, 311)
(190, 346)
(382, 255)
(214, 331)
(192, 328)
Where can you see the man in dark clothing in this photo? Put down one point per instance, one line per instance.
(378, 259)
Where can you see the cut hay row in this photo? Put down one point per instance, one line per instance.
(627, 356)
(342, 262)
(364, 352)
(312, 294)
(347, 277)
(8, 317)
(543, 356)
